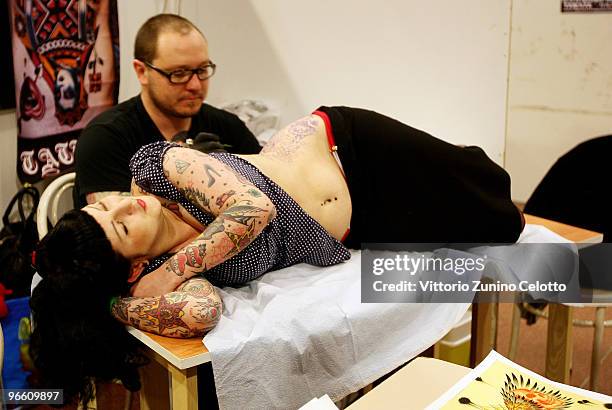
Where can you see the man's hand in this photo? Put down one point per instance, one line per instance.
(204, 142)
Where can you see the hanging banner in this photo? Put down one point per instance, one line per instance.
(66, 61)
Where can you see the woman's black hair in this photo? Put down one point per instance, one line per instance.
(75, 340)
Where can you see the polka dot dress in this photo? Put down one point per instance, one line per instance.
(292, 237)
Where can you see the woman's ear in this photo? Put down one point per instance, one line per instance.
(138, 266)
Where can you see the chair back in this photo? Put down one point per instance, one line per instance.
(50, 201)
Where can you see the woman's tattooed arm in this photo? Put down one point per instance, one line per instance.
(227, 235)
(242, 212)
(190, 311)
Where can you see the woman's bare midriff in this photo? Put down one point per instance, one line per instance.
(308, 172)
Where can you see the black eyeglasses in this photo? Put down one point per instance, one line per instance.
(184, 75)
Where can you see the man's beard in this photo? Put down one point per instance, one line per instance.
(171, 111)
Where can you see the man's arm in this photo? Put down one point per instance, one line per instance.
(190, 311)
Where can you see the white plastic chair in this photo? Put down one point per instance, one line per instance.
(48, 207)
(598, 355)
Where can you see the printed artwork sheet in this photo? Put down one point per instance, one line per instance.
(498, 383)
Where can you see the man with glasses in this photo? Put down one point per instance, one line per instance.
(173, 67)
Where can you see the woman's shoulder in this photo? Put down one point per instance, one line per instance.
(146, 164)
(154, 149)
(150, 154)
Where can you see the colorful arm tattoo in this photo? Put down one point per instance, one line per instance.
(227, 235)
(190, 311)
(242, 211)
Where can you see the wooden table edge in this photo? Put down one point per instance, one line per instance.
(182, 353)
(569, 232)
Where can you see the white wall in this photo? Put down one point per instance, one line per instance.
(560, 87)
(439, 66)
(132, 14)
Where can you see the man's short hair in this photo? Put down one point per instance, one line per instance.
(145, 45)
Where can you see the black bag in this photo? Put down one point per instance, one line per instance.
(17, 241)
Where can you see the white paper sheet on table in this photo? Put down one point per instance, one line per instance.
(302, 332)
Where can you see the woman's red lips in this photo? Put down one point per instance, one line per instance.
(142, 204)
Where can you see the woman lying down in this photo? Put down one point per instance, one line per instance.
(327, 182)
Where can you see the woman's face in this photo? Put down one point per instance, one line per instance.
(131, 223)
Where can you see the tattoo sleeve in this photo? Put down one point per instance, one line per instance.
(190, 311)
(242, 211)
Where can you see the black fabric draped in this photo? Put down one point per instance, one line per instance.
(408, 186)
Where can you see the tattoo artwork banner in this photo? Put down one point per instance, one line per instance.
(499, 383)
(585, 6)
(66, 63)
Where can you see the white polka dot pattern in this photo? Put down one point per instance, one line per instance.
(292, 237)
